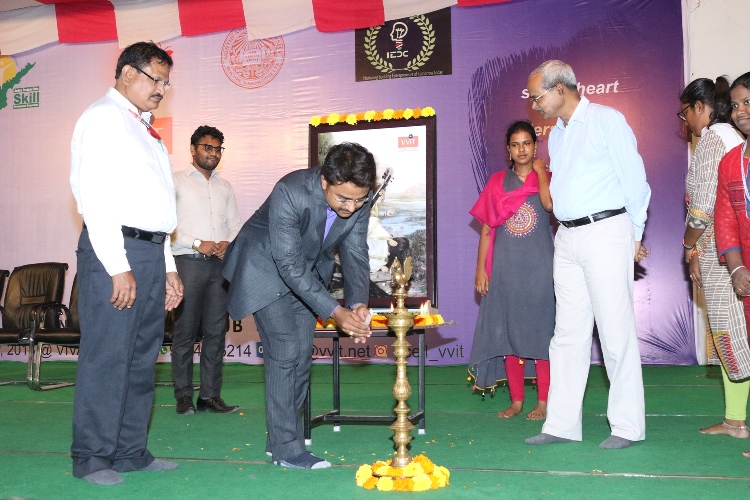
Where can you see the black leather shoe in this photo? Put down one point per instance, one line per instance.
(216, 405)
(185, 406)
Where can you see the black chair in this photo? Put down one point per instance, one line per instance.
(64, 330)
(31, 288)
(68, 334)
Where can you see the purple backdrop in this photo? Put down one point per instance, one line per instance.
(632, 48)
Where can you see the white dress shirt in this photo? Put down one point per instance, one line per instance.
(206, 210)
(120, 176)
(596, 166)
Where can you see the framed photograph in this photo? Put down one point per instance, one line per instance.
(402, 216)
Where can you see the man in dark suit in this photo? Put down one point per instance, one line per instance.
(278, 268)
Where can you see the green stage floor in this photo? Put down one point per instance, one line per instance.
(222, 456)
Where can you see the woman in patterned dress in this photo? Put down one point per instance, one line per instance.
(514, 276)
(727, 316)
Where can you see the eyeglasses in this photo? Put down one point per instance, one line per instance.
(344, 201)
(166, 85)
(535, 100)
(210, 149)
(681, 115)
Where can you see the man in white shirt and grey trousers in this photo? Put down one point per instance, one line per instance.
(207, 221)
(600, 196)
(121, 178)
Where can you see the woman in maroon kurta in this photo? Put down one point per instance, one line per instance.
(732, 210)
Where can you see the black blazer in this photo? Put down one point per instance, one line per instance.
(280, 249)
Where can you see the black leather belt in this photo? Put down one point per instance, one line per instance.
(196, 256)
(592, 218)
(156, 237)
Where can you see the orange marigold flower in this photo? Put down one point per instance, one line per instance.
(360, 116)
(417, 112)
(398, 114)
(370, 483)
(378, 116)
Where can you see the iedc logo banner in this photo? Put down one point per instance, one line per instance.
(408, 47)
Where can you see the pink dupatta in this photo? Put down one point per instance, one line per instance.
(495, 206)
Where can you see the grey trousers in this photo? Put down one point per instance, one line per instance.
(203, 308)
(286, 329)
(115, 378)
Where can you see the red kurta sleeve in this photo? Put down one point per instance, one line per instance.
(729, 210)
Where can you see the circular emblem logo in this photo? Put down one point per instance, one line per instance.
(523, 222)
(406, 47)
(251, 63)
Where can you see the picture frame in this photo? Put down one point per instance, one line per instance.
(403, 214)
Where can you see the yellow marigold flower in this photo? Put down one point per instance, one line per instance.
(315, 121)
(351, 118)
(383, 470)
(388, 114)
(369, 115)
(422, 482)
(445, 472)
(408, 113)
(437, 480)
(363, 474)
(333, 119)
(413, 469)
(428, 111)
(385, 483)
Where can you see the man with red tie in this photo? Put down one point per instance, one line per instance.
(121, 178)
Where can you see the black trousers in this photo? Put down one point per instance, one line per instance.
(115, 378)
(203, 307)
(286, 328)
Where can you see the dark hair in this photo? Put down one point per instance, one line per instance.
(349, 162)
(520, 126)
(205, 130)
(743, 80)
(141, 54)
(715, 95)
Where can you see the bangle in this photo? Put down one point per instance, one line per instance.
(735, 270)
(686, 246)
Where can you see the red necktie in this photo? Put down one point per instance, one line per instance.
(152, 132)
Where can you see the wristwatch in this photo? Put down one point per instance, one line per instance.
(196, 244)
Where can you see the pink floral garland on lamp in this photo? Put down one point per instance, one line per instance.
(420, 475)
(372, 116)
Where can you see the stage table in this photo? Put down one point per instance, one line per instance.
(335, 415)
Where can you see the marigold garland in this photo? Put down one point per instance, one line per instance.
(369, 116)
(420, 475)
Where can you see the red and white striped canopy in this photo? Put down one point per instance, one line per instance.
(28, 24)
